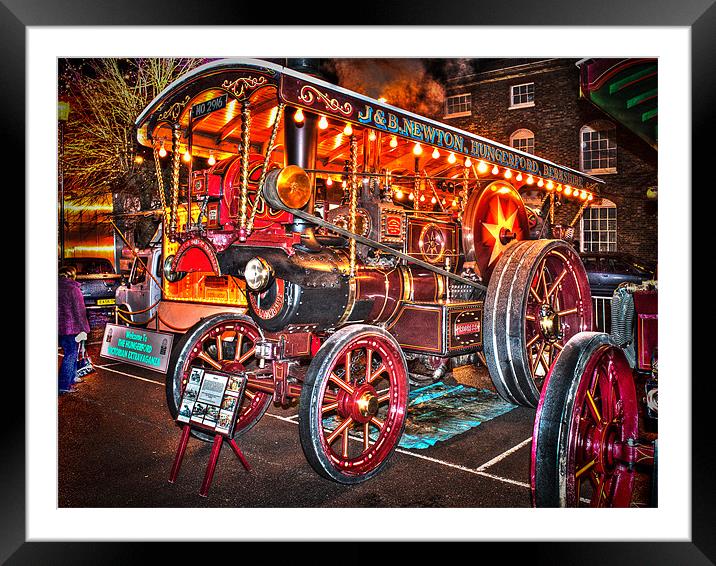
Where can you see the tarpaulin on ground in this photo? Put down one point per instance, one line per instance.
(438, 412)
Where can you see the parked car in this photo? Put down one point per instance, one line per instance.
(98, 280)
(607, 270)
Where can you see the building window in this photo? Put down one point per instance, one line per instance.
(522, 96)
(598, 148)
(599, 228)
(458, 105)
(524, 140)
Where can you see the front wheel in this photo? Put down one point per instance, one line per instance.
(586, 421)
(224, 342)
(354, 404)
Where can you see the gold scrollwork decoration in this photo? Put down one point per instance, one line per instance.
(239, 86)
(309, 94)
(172, 113)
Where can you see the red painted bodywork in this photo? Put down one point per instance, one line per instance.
(646, 305)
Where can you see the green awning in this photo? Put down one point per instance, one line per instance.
(626, 90)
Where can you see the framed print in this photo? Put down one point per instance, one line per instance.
(37, 34)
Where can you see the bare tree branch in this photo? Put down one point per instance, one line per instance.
(106, 95)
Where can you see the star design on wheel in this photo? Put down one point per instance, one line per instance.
(495, 229)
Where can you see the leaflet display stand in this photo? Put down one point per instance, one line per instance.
(210, 403)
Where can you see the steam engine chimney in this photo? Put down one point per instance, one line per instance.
(301, 138)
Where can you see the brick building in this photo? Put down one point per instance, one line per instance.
(535, 105)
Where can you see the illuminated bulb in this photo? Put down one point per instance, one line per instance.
(398, 194)
(451, 158)
(371, 135)
(298, 116)
(211, 159)
(433, 200)
(540, 183)
(495, 170)
(411, 196)
(443, 202)
(590, 197)
(550, 185)
(162, 151)
(454, 202)
(481, 167)
(417, 149)
(436, 153)
(519, 177)
(422, 198)
(583, 196)
(323, 123)
(187, 156)
(344, 184)
(568, 191)
(508, 174)
(348, 130)
(393, 142)
(138, 159)
(382, 100)
(329, 182)
(468, 162)
(559, 188)
(530, 179)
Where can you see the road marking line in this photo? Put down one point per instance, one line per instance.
(504, 454)
(479, 471)
(130, 375)
(279, 417)
(506, 480)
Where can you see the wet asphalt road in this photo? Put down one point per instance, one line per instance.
(116, 431)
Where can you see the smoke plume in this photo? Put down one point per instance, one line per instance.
(405, 83)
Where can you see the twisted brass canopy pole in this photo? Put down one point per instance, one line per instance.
(353, 203)
(160, 186)
(175, 183)
(264, 169)
(245, 149)
(579, 213)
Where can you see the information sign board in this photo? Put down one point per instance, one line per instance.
(211, 401)
(137, 346)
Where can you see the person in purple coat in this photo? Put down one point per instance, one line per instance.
(72, 325)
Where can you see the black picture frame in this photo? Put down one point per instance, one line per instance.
(698, 15)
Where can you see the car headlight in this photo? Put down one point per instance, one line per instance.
(258, 274)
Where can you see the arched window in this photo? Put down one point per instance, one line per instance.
(598, 148)
(523, 140)
(599, 227)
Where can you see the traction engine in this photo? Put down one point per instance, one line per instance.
(349, 277)
(594, 441)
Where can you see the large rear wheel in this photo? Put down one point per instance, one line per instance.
(354, 404)
(586, 423)
(538, 298)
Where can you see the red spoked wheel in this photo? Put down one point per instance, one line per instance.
(224, 342)
(586, 424)
(537, 299)
(354, 404)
